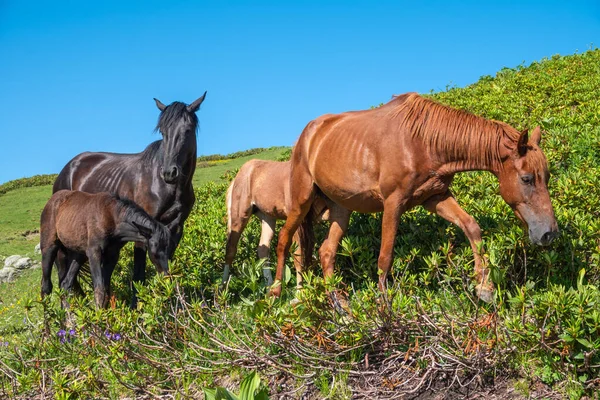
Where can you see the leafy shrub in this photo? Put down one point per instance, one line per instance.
(36, 180)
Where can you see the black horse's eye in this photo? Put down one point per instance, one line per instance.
(527, 179)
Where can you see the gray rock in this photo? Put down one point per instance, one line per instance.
(37, 249)
(11, 260)
(23, 263)
(7, 274)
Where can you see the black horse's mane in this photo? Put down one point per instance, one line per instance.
(173, 114)
(153, 151)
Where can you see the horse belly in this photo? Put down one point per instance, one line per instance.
(73, 236)
(352, 182)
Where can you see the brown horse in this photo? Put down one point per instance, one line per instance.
(95, 227)
(262, 188)
(404, 154)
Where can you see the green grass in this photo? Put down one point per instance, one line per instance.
(20, 211)
(215, 172)
(13, 298)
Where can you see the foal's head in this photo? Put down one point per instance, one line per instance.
(177, 123)
(524, 185)
(159, 245)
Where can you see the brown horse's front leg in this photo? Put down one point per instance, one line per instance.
(445, 206)
(393, 207)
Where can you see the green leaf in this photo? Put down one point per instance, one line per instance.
(249, 386)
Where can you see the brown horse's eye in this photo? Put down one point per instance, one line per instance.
(527, 179)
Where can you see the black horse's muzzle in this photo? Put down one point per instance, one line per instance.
(170, 174)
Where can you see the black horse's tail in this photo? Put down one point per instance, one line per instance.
(306, 236)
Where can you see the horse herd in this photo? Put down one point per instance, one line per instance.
(391, 158)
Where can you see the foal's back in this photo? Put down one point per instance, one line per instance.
(75, 218)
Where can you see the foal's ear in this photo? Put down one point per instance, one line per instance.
(160, 105)
(145, 232)
(536, 136)
(195, 106)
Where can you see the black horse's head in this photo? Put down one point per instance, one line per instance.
(178, 123)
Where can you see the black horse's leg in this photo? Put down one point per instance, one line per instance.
(139, 270)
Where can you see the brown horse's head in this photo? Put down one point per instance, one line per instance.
(178, 123)
(524, 185)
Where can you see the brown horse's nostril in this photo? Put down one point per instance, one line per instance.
(548, 237)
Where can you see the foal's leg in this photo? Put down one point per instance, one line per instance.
(64, 262)
(96, 265)
(48, 257)
(267, 230)
(339, 218)
(70, 278)
(110, 261)
(139, 269)
(238, 219)
(445, 206)
(298, 260)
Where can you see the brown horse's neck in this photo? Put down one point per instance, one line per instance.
(451, 167)
(456, 140)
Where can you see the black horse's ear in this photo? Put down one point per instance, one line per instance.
(160, 105)
(145, 232)
(195, 106)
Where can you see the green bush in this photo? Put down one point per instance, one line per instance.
(36, 180)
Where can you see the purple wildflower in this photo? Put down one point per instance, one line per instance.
(61, 333)
(72, 332)
(63, 339)
(116, 336)
(107, 334)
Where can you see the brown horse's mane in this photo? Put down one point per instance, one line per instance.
(451, 133)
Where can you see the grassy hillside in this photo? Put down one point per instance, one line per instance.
(539, 338)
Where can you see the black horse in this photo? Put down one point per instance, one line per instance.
(159, 179)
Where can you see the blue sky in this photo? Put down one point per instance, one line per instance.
(81, 75)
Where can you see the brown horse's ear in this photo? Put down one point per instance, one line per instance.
(195, 106)
(536, 136)
(522, 142)
(160, 105)
(145, 232)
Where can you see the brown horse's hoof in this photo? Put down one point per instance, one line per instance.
(485, 292)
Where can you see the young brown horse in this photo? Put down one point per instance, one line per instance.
(262, 188)
(404, 154)
(95, 227)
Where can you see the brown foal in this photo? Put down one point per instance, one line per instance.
(95, 227)
(405, 154)
(262, 188)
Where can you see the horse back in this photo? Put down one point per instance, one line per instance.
(262, 185)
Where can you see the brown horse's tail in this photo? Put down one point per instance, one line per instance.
(306, 236)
